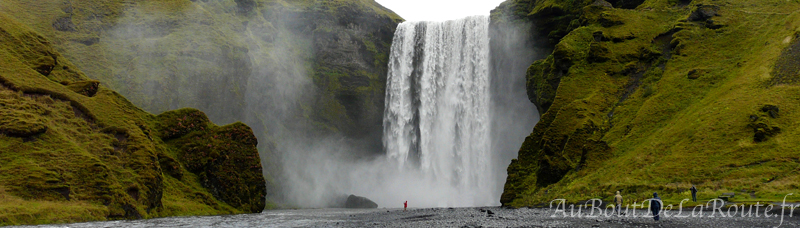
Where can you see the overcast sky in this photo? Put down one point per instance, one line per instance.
(439, 10)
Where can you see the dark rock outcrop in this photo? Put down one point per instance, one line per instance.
(762, 131)
(45, 64)
(354, 201)
(704, 12)
(763, 127)
(64, 24)
(225, 158)
(772, 110)
(87, 88)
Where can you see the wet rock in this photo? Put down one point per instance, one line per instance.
(354, 201)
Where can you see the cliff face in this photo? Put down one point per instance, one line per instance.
(294, 70)
(72, 150)
(657, 96)
(350, 42)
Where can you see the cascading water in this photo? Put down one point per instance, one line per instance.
(456, 113)
(437, 115)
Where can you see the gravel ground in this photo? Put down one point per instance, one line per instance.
(446, 217)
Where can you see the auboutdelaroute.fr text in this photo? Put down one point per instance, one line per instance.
(713, 208)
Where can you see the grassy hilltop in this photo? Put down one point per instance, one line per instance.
(656, 95)
(72, 150)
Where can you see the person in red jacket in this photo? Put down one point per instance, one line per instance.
(405, 205)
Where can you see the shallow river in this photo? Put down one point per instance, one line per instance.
(452, 217)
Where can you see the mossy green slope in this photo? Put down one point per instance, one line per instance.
(290, 69)
(207, 54)
(661, 96)
(72, 150)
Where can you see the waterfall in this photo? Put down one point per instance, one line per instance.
(437, 119)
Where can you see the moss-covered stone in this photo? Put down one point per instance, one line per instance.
(174, 124)
(226, 160)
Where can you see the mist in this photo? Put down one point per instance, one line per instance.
(324, 170)
(513, 49)
(261, 66)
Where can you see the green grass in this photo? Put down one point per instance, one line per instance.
(15, 210)
(671, 131)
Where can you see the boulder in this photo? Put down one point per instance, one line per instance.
(354, 201)
(763, 131)
(771, 110)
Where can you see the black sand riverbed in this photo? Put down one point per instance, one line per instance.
(451, 217)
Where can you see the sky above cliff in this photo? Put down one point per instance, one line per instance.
(439, 10)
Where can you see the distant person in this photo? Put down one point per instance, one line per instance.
(618, 203)
(694, 193)
(405, 205)
(655, 206)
